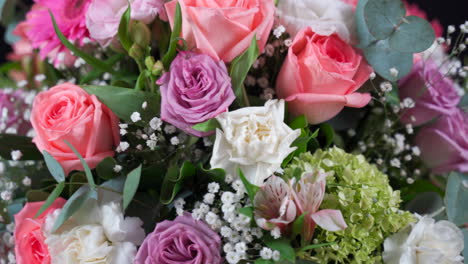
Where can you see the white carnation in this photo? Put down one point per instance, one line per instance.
(254, 139)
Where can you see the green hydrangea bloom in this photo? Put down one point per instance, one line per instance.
(368, 203)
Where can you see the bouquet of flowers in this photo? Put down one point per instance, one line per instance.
(216, 131)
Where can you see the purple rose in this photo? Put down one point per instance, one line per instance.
(183, 240)
(13, 112)
(196, 89)
(433, 93)
(444, 144)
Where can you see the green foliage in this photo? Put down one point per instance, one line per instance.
(51, 198)
(7, 11)
(388, 38)
(123, 101)
(174, 180)
(105, 169)
(207, 126)
(240, 67)
(131, 186)
(87, 170)
(456, 198)
(364, 196)
(54, 167)
(250, 188)
(9, 142)
(172, 50)
(124, 29)
(283, 246)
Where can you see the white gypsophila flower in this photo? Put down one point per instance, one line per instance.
(266, 253)
(324, 17)
(426, 242)
(209, 198)
(253, 139)
(213, 187)
(97, 234)
(135, 117)
(155, 123)
(16, 155)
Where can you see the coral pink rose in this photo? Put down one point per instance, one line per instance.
(320, 76)
(206, 23)
(67, 112)
(30, 247)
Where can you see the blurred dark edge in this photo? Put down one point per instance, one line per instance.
(448, 12)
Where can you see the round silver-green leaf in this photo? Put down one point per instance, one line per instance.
(414, 35)
(383, 16)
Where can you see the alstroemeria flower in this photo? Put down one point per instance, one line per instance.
(308, 195)
(274, 205)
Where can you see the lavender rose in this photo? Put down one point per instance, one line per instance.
(444, 144)
(183, 240)
(434, 94)
(196, 89)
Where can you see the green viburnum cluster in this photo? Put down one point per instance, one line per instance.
(368, 203)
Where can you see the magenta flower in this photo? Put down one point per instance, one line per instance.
(444, 144)
(183, 240)
(274, 205)
(433, 93)
(13, 110)
(196, 89)
(70, 17)
(308, 195)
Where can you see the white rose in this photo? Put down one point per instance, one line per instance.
(254, 139)
(325, 17)
(427, 242)
(95, 234)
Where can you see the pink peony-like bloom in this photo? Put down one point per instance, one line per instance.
(308, 195)
(183, 240)
(67, 112)
(434, 94)
(321, 75)
(103, 16)
(444, 144)
(197, 88)
(70, 17)
(274, 205)
(30, 246)
(224, 29)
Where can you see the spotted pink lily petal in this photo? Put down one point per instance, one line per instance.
(331, 220)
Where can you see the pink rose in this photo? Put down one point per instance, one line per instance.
(320, 76)
(30, 247)
(444, 144)
(67, 112)
(434, 94)
(224, 29)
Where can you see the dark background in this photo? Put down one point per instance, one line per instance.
(448, 12)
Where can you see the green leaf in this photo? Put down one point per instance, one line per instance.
(383, 16)
(409, 192)
(364, 36)
(87, 170)
(425, 203)
(329, 133)
(7, 11)
(298, 225)
(465, 236)
(51, 198)
(77, 180)
(456, 198)
(124, 29)
(413, 36)
(207, 126)
(247, 211)
(105, 168)
(217, 175)
(93, 75)
(172, 50)
(309, 247)
(77, 52)
(393, 97)
(240, 67)
(383, 58)
(174, 180)
(263, 261)
(131, 186)
(9, 142)
(250, 188)
(74, 203)
(283, 246)
(123, 101)
(54, 167)
(299, 122)
(36, 196)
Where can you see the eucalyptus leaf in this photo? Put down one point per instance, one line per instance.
(9, 142)
(383, 17)
(465, 236)
(54, 167)
(413, 36)
(383, 58)
(131, 186)
(87, 170)
(456, 198)
(74, 203)
(124, 102)
(51, 198)
(364, 36)
(240, 67)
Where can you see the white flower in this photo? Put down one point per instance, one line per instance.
(266, 253)
(16, 154)
(427, 242)
(97, 234)
(254, 139)
(155, 123)
(135, 117)
(324, 17)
